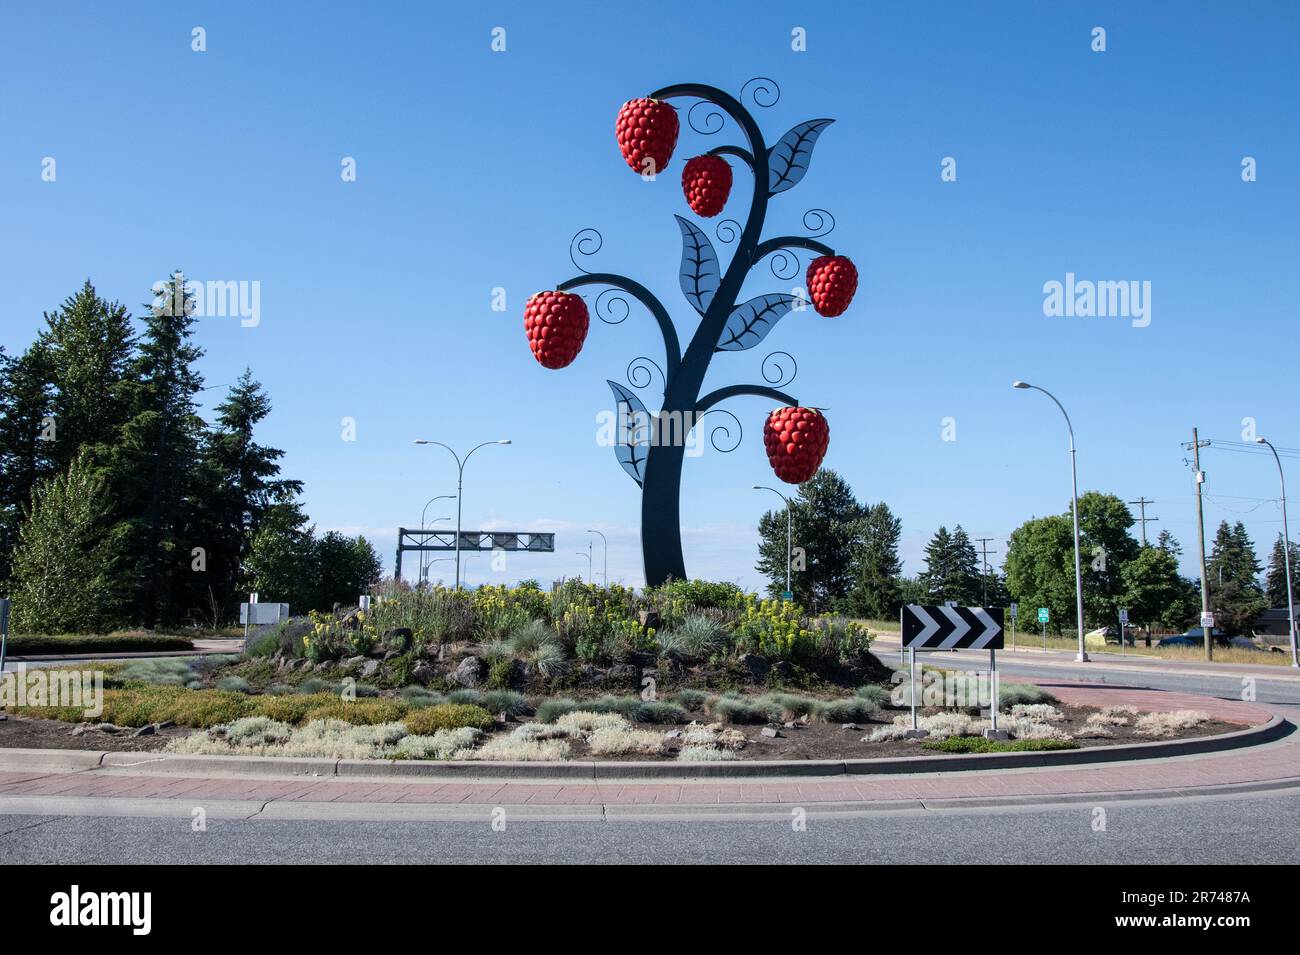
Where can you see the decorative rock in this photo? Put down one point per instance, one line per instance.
(757, 666)
(469, 673)
(850, 726)
(369, 668)
(643, 661)
(165, 724)
(790, 725)
(399, 639)
(354, 661)
(783, 668)
(111, 729)
(649, 619)
(323, 666)
(147, 730)
(771, 732)
(423, 673)
(624, 673)
(674, 734)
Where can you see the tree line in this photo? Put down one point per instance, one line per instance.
(121, 506)
(847, 561)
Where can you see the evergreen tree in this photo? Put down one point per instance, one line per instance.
(90, 346)
(952, 569)
(241, 485)
(155, 462)
(827, 530)
(1169, 544)
(877, 592)
(1275, 581)
(1233, 568)
(27, 428)
(63, 573)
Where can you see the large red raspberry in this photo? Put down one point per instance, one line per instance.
(556, 323)
(647, 132)
(832, 280)
(706, 181)
(796, 440)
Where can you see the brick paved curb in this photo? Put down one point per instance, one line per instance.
(155, 764)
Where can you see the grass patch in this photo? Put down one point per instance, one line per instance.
(692, 700)
(1011, 694)
(357, 712)
(447, 716)
(978, 744)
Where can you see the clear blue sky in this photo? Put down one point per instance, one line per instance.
(475, 168)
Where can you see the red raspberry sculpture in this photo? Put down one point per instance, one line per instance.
(706, 182)
(647, 133)
(796, 440)
(832, 280)
(556, 323)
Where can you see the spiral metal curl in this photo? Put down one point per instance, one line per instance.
(712, 114)
(775, 372)
(582, 244)
(612, 306)
(727, 231)
(821, 217)
(725, 429)
(639, 375)
(784, 264)
(767, 88)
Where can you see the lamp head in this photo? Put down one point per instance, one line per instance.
(1020, 384)
(1260, 441)
(504, 441)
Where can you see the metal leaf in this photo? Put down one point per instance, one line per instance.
(632, 434)
(700, 273)
(750, 322)
(788, 160)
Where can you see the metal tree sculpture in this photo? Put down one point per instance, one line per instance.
(724, 326)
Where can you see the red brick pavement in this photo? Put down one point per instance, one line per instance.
(1275, 762)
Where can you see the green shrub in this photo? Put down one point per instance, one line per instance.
(500, 672)
(163, 671)
(234, 684)
(1009, 694)
(659, 711)
(280, 689)
(693, 700)
(467, 696)
(551, 710)
(358, 712)
(851, 710)
(978, 744)
(421, 696)
(548, 711)
(790, 706)
(140, 705)
(447, 716)
(878, 695)
(733, 709)
(263, 646)
(291, 708)
(505, 701)
(313, 685)
(702, 593)
(696, 637)
(528, 637)
(66, 644)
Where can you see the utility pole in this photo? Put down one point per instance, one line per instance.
(1142, 503)
(984, 555)
(1196, 446)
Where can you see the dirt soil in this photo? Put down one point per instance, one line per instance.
(803, 741)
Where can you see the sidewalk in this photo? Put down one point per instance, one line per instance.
(136, 789)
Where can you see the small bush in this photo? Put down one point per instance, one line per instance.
(359, 712)
(280, 689)
(256, 731)
(468, 697)
(1038, 712)
(290, 708)
(548, 711)
(790, 706)
(1010, 694)
(705, 754)
(264, 646)
(234, 684)
(444, 744)
(1168, 724)
(530, 637)
(731, 709)
(692, 700)
(588, 721)
(516, 750)
(622, 741)
(696, 638)
(878, 695)
(313, 685)
(852, 710)
(447, 716)
(659, 711)
(421, 696)
(507, 702)
(165, 671)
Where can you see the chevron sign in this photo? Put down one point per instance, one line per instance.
(952, 628)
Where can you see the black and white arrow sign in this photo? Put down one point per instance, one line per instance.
(952, 628)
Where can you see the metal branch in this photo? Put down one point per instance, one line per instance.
(672, 347)
(731, 391)
(768, 246)
(738, 151)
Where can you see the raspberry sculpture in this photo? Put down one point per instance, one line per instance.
(556, 324)
(796, 440)
(647, 133)
(706, 183)
(832, 280)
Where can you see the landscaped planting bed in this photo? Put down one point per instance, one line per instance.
(691, 671)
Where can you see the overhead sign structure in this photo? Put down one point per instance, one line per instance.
(952, 628)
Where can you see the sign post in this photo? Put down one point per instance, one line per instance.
(1015, 608)
(1043, 616)
(4, 639)
(1123, 626)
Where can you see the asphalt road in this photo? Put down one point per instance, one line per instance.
(1253, 829)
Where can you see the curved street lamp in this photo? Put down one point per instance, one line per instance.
(1082, 656)
(605, 550)
(460, 485)
(1286, 556)
(788, 536)
(425, 564)
(586, 554)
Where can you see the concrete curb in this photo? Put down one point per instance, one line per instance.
(588, 771)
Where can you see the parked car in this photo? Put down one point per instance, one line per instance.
(1180, 640)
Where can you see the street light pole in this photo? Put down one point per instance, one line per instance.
(1286, 556)
(1082, 656)
(460, 486)
(605, 552)
(424, 564)
(586, 554)
(789, 549)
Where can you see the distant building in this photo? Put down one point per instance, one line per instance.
(1272, 623)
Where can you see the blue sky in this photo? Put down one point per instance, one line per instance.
(475, 168)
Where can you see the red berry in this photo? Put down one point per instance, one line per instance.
(706, 181)
(832, 280)
(647, 132)
(796, 440)
(556, 323)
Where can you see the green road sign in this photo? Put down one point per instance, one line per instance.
(1043, 615)
(787, 595)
